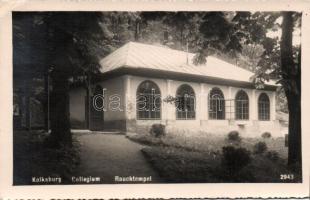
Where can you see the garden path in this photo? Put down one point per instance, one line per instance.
(107, 155)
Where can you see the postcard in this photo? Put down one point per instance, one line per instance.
(154, 99)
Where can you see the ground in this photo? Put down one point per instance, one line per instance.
(33, 158)
(178, 158)
(110, 155)
(171, 158)
(95, 154)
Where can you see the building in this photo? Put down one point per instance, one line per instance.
(142, 84)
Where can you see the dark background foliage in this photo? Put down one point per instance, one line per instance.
(66, 46)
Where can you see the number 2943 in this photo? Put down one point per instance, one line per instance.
(287, 176)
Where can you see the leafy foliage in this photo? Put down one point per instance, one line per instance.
(234, 136)
(234, 159)
(68, 45)
(272, 155)
(266, 135)
(259, 148)
(158, 130)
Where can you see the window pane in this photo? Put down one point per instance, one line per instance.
(148, 101)
(216, 104)
(242, 106)
(185, 106)
(263, 107)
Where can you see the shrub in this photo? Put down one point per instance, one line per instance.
(234, 159)
(234, 136)
(158, 130)
(260, 147)
(272, 155)
(266, 135)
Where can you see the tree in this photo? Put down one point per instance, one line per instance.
(63, 45)
(29, 69)
(280, 60)
(230, 32)
(291, 73)
(76, 41)
(67, 46)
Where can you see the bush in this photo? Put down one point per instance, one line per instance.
(158, 130)
(272, 155)
(260, 147)
(234, 136)
(234, 159)
(266, 135)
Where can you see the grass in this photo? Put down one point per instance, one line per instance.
(33, 159)
(207, 142)
(180, 159)
(175, 165)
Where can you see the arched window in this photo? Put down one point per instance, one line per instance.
(185, 102)
(148, 101)
(216, 104)
(263, 107)
(242, 105)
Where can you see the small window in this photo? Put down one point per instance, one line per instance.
(148, 101)
(242, 106)
(216, 104)
(185, 103)
(263, 107)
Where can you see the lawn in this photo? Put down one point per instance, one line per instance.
(32, 158)
(207, 142)
(178, 159)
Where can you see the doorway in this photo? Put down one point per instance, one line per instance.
(95, 106)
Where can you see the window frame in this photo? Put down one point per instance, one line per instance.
(219, 102)
(191, 98)
(262, 115)
(242, 113)
(149, 114)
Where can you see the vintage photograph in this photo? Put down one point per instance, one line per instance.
(156, 97)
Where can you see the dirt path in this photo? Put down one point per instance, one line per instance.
(110, 155)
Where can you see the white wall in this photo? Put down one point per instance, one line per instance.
(201, 123)
(113, 90)
(114, 103)
(125, 88)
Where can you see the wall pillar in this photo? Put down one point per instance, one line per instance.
(273, 106)
(168, 111)
(202, 103)
(207, 91)
(230, 114)
(129, 99)
(253, 106)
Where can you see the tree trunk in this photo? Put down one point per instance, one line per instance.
(294, 137)
(137, 30)
(27, 103)
(292, 85)
(60, 115)
(46, 103)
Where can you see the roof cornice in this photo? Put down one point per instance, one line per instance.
(160, 74)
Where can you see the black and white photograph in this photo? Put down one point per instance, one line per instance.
(148, 97)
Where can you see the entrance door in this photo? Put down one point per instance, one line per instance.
(96, 118)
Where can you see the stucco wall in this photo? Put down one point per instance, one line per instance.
(114, 114)
(114, 103)
(248, 128)
(120, 109)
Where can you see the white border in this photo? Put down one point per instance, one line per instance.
(148, 190)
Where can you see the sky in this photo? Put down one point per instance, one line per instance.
(278, 33)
